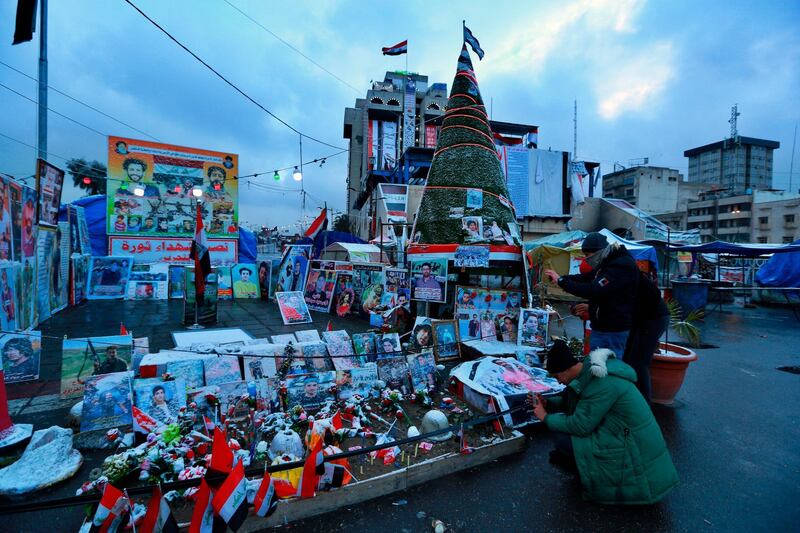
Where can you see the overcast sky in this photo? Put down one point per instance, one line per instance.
(652, 79)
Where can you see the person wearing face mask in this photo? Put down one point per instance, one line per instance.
(610, 288)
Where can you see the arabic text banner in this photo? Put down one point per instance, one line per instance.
(165, 175)
(171, 250)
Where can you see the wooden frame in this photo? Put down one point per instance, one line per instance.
(435, 325)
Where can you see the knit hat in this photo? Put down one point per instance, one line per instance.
(559, 357)
(594, 242)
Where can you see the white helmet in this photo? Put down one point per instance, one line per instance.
(286, 442)
(434, 420)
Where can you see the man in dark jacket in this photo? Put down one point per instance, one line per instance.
(650, 320)
(618, 447)
(610, 288)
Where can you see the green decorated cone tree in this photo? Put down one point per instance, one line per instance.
(465, 162)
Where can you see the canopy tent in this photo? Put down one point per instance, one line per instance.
(742, 250)
(562, 253)
(353, 252)
(571, 241)
(325, 238)
(781, 270)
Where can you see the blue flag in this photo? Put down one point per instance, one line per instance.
(473, 42)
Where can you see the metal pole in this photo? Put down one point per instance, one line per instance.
(42, 112)
(302, 186)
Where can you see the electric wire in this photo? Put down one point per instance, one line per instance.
(62, 93)
(290, 46)
(226, 80)
(54, 111)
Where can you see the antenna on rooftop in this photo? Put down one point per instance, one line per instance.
(734, 129)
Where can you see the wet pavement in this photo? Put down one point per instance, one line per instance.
(734, 435)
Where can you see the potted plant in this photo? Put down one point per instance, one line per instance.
(669, 364)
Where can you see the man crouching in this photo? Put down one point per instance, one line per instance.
(617, 445)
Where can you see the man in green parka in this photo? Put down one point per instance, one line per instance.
(618, 447)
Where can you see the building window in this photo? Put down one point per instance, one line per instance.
(788, 218)
(762, 240)
(763, 220)
(673, 178)
(393, 102)
(787, 239)
(376, 100)
(434, 107)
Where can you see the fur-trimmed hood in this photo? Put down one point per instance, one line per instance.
(603, 362)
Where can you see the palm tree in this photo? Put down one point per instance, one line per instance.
(90, 176)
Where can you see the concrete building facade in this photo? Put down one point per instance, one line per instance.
(741, 165)
(652, 189)
(776, 217)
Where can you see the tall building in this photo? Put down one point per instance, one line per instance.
(651, 189)
(740, 165)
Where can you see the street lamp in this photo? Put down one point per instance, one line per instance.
(297, 175)
(197, 192)
(276, 176)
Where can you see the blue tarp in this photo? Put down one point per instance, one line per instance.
(94, 207)
(782, 270)
(742, 250)
(326, 238)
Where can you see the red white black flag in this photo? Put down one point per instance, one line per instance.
(201, 257)
(158, 518)
(320, 224)
(230, 501)
(396, 50)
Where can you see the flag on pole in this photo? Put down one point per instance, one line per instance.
(266, 500)
(313, 468)
(320, 224)
(473, 42)
(230, 501)
(203, 520)
(201, 257)
(396, 50)
(158, 517)
(111, 511)
(221, 454)
(26, 21)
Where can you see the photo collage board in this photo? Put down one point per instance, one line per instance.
(487, 314)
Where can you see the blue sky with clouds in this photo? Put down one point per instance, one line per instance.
(652, 78)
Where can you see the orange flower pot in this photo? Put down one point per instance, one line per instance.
(667, 372)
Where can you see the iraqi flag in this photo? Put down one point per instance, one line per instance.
(320, 224)
(396, 50)
(112, 511)
(201, 257)
(221, 454)
(266, 500)
(203, 519)
(313, 468)
(159, 517)
(230, 501)
(142, 422)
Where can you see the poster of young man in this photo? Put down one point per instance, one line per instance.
(165, 174)
(396, 290)
(264, 278)
(6, 222)
(368, 280)
(344, 295)
(92, 356)
(49, 182)
(319, 290)
(244, 281)
(108, 277)
(311, 391)
(293, 307)
(293, 269)
(21, 356)
(8, 297)
(429, 279)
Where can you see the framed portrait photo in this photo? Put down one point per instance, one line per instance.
(445, 340)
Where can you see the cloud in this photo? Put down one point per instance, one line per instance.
(636, 82)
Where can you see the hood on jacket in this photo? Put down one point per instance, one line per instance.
(603, 362)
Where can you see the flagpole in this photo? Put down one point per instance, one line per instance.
(196, 324)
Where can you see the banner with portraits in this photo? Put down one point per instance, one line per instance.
(319, 290)
(293, 269)
(487, 314)
(108, 277)
(368, 285)
(49, 183)
(92, 356)
(150, 189)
